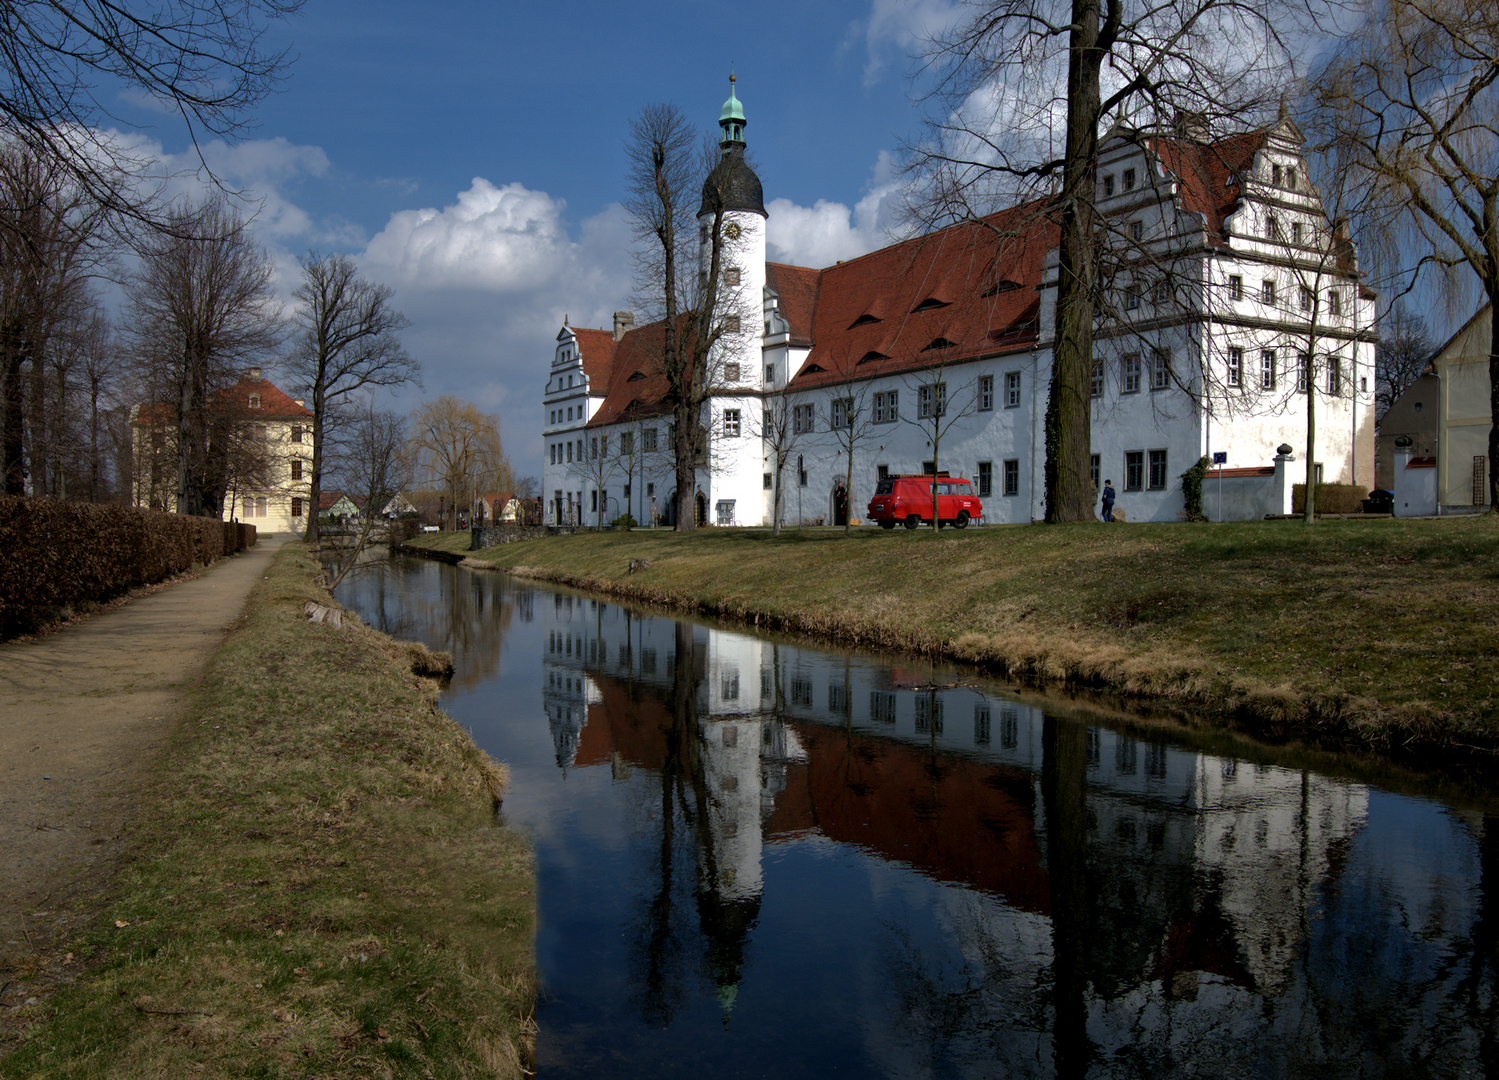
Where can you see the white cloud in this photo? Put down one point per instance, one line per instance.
(905, 26)
(827, 232)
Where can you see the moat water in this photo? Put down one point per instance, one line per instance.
(762, 859)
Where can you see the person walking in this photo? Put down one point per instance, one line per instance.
(1108, 500)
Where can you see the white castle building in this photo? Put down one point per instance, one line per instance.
(1232, 297)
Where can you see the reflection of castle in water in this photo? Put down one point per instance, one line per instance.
(1198, 867)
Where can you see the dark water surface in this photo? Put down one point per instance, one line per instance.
(759, 859)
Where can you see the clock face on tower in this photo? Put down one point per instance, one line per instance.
(732, 231)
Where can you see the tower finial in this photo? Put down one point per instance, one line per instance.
(731, 120)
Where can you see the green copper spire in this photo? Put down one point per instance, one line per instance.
(731, 120)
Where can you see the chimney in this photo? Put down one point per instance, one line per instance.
(1192, 126)
(255, 374)
(624, 322)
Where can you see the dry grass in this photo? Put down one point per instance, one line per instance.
(1376, 633)
(319, 886)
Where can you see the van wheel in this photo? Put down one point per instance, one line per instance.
(961, 521)
(912, 522)
(887, 524)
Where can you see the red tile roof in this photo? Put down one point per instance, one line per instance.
(274, 405)
(797, 287)
(1209, 175)
(596, 349)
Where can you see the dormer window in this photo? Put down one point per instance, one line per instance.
(1004, 286)
(871, 356)
(635, 376)
(929, 304)
(864, 320)
(940, 343)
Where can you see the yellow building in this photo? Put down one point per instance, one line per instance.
(1462, 366)
(261, 447)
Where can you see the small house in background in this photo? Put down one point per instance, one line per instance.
(1414, 415)
(1462, 368)
(340, 507)
(398, 506)
(499, 509)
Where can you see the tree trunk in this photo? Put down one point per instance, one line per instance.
(11, 446)
(1493, 402)
(1069, 495)
(1309, 500)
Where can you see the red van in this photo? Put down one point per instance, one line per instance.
(908, 499)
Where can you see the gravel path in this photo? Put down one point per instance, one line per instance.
(85, 711)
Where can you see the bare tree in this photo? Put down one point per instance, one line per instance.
(1405, 349)
(48, 249)
(377, 468)
(1412, 106)
(455, 444)
(348, 340)
(937, 410)
(785, 423)
(202, 309)
(1025, 90)
(679, 271)
(204, 60)
(852, 420)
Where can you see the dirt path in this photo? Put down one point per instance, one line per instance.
(85, 710)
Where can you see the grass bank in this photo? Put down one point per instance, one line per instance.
(317, 885)
(1377, 634)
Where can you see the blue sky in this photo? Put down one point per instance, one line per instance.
(471, 156)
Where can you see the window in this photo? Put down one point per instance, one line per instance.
(1334, 376)
(1160, 370)
(254, 401)
(1306, 298)
(1162, 292)
(569, 452)
(626, 443)
(770, 374)
(1267, 293)
(1095, 383)
(1275, 175)
(1134, 470)
(1235, 287)
(603, 446)
(1334, 302)
(1130, 382)
(1272, 227)
(986, 479)
(881, 472)
(1012, 477)
(296, 508)
(648, 440)
(1137, 230)
(886, 407)
(260, 506)
(765, 481)
(1267, 370)
(1291, 177)
(1235, 367)
(1128, 182)
(1131, 298)
(1012, 389)
(986, 393)
(1158, 470)
(593, 448)
(296, 433)
(1295, 232)
(801, 419)
(731, 372)
(731, 324)
(569, 413)
(842, 410)
(1094, 463)
(1303, 362)
(931, 400)
(1108, 185)
(296, 468)
(731, 276)
(593, 501)
(731, 422)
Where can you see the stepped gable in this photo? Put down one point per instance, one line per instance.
(1209, 175)
(797, 288)
(960, 293)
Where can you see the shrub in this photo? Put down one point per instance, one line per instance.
(624, 521)
(1192, 489)
(1331, 498)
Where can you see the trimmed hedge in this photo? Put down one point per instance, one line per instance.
(56, 555)
(1331, 498)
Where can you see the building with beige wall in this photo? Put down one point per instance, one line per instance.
(1462, 368)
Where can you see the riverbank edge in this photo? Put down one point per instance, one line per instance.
(1186, 688)
(315, 879)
